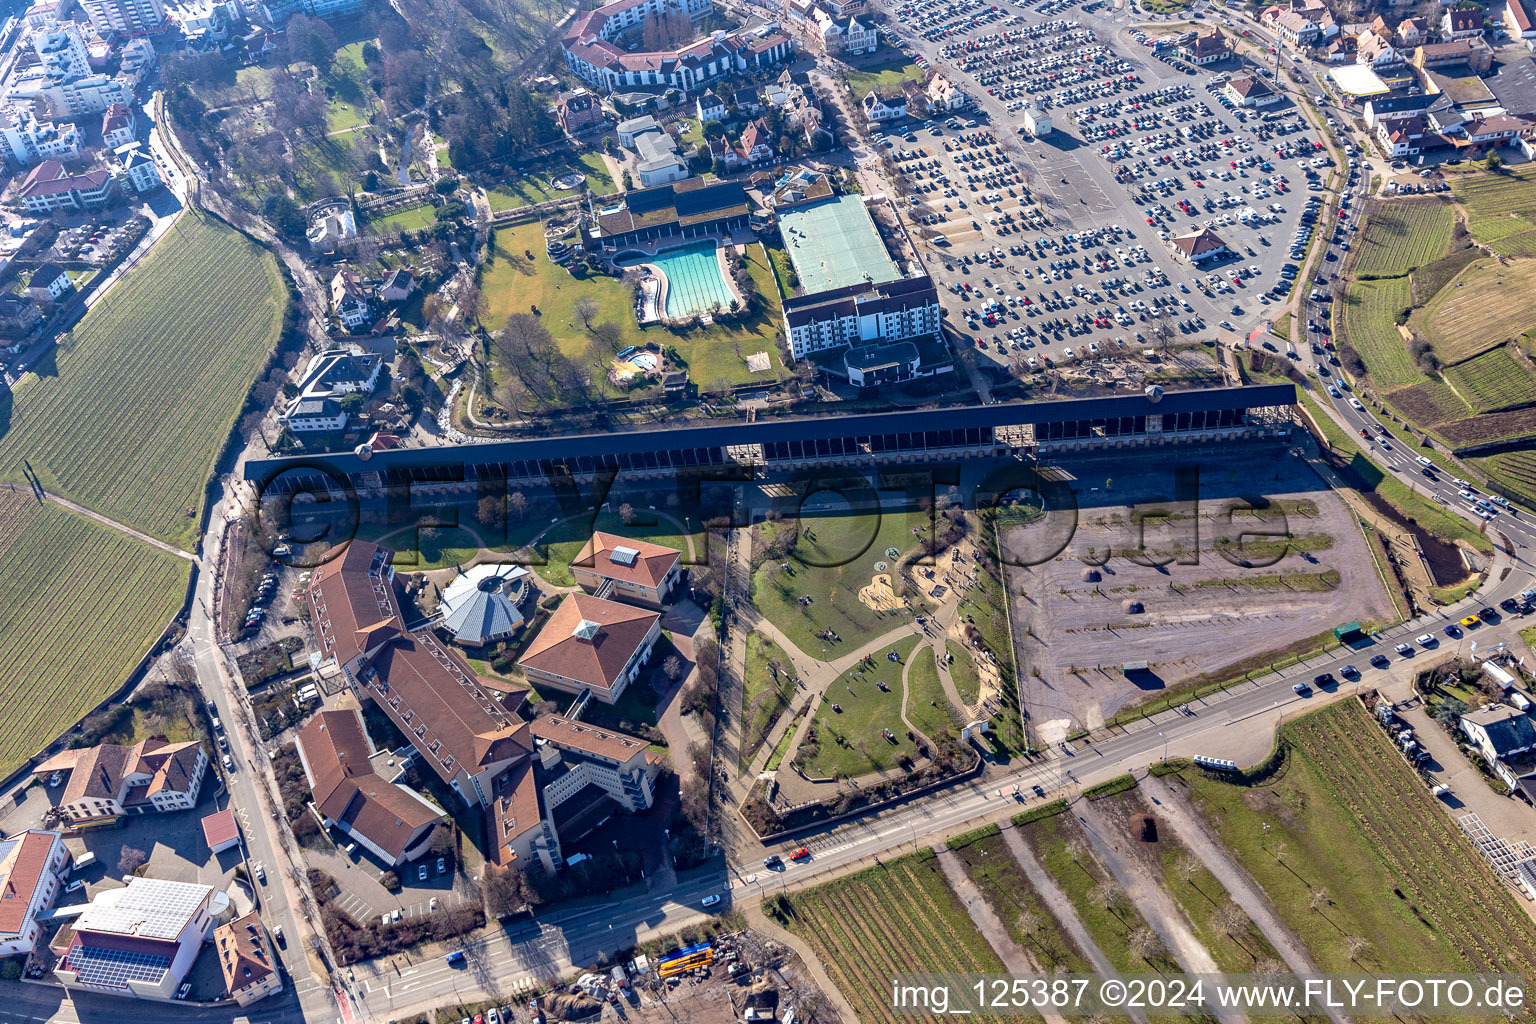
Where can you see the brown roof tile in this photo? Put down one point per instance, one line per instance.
(653, 561)
(595, 660)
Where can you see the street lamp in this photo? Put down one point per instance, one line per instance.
(1165, 745)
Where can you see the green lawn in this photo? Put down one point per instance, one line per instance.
(769, 685)
(511, 284)
(834, 558)
(536, 188)
(849, 742)
(927, 707)
(341, 116)
(410, 218)
(552, 559)
(426, 548)
(128, 413)
(889, 74)
(963, 671)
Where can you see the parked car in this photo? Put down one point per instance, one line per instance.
(709, 901)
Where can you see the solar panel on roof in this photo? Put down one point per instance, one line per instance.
(114, 968)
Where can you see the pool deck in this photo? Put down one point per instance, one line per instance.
(659, 308)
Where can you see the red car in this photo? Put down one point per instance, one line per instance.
(800, 854)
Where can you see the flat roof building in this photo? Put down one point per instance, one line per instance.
(833, 244)
(141, 940)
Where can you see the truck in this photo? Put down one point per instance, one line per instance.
(84, 860)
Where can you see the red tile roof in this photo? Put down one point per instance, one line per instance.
(653, 561)
(21, 872)
(564, 648)
(220, 828)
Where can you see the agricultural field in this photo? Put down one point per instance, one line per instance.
(129, 415)
(1514, 470)
(1513, 424)
(1519, 244)
(1370, 324)
(1485, 306)
(511, 284)
(849, 743)
(991, 865)
(1491, 196)
(1493, 380)
(1348, 817)
(1401, 235)
(1429, 403)
(897, 917)
(80, 604)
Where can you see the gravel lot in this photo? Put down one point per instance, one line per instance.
(1075, 623)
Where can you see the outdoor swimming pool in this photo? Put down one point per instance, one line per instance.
(694, 282)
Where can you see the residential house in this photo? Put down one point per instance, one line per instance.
(632, 570)
(399, 284)
(944, 97)
(49, 283)
(1250, 92)
(1379, 26)
(17, 315)
(577, 111)
(843, 36)
(136, 169)
(108, 782)
(1412, 31)
(138, 941)
(33, 865)
(351, 300)
(331, 227)
(1376, 51)
(250, 968)
(1499, 732)
(746, 102)
(49, 187)
(591, 644)
(729, 158)
(1519, 18)
(1341, 49)
(1297, 29)
(340, 371)
(1200, 246)
(118, 126)
(1206, 48)
(878, 108)
(391, 822)
(312, 415)
(1491, 131)
(710, 107)
(1476, 54)
(1461, 23)
(1401, 136)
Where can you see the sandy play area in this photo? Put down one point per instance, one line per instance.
(879, 595)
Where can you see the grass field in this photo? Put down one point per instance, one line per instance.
(897, 917)
(766, 693)
(835, 556)
(1429, 279)
(511, 284)
(886, 75)
(129, 416)
(1370, 312)
(410, 218)
(963, 672)
(536, 188)
(927, 707)
(1401, 235)
(564, 541)
(1347, 816)
(80, 604)
(1486, 305)
(1493, 380)
(849, 742)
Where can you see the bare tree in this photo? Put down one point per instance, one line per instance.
(673, 667)
(585, 309)
(1317, 899)
(1108, 895)
(1185, 864)
(1230, 921)
(1357, 947)
(130, 859)
(1144, 944)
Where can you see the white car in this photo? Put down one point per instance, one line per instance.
(709, 901)
(1426, 640)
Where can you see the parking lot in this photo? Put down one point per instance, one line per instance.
(1059, 250)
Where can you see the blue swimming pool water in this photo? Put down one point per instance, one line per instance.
(694, 283)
